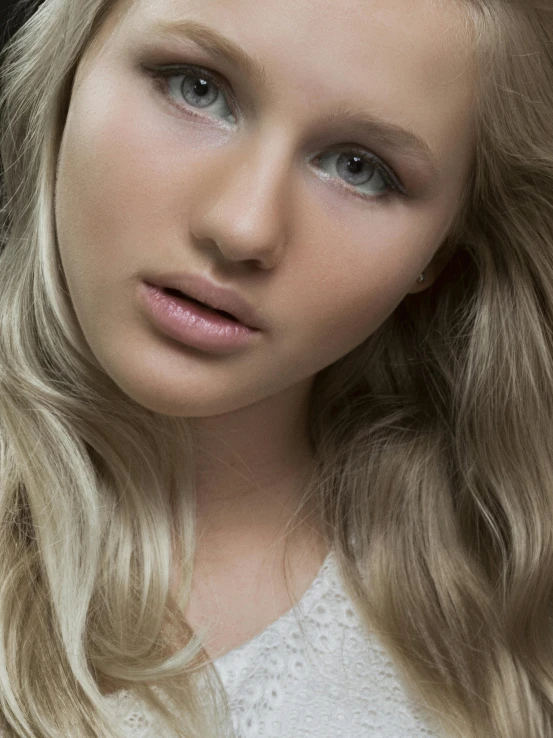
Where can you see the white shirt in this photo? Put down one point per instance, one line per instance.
(329, 679)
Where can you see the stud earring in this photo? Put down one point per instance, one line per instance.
(422, 278)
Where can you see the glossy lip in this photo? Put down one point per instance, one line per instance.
(216, 296)
(192, 324)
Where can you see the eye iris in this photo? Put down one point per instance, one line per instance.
(199, 90)
(354, 165)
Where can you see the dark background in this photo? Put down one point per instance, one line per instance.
(12, 15)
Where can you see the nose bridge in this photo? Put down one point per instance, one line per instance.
(242, 205)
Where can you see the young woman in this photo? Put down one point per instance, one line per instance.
(276, 369)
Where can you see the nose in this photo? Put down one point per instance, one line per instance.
(242, 200)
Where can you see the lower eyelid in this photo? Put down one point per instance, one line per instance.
(387, 173)
(391, 187)
(161, 86)
(350, 189)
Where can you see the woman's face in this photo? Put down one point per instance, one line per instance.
(247, 175)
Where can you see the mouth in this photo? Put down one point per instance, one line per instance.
(183, 296)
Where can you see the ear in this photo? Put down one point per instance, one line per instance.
(434, 268)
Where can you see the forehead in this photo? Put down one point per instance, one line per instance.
(407, 61)
(428, 40)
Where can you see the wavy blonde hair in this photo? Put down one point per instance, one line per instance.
(434, 475)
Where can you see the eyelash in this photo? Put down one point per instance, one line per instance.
(161, 74)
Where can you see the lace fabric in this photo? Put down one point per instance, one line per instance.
(314, 672)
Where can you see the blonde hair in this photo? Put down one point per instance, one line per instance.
(434, 472)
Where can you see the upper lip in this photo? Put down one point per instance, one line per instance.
(216, 296)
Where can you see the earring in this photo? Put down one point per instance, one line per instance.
(422, 277)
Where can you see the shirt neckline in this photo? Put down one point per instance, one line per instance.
(301, 604)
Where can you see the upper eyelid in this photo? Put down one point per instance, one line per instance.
(177, 69)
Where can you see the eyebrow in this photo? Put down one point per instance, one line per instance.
(388, 134)
(385, 133)
(218, 45)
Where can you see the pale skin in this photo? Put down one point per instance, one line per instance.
(151, 183)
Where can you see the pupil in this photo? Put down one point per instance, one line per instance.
(355, 165)
(201, 87)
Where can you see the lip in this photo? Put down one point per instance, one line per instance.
(193, 325)
(216, 296)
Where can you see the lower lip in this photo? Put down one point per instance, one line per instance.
(193, 325)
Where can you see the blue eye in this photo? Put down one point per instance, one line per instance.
(197, 88)
(364, 171)
(367, 175)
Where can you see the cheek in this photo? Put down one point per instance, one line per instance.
(115, 189)
(355, 282)
(104, 174)
(343, 317)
